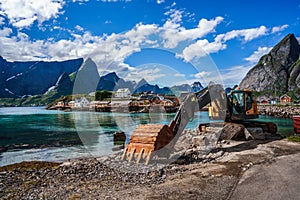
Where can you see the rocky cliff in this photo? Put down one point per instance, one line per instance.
(278, 72)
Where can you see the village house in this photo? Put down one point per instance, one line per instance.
(82, 102)
(60, 104)
(71, 104)
(285, 99)
(264, 102)
(123, 93)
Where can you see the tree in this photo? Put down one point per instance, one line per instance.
(103, 95)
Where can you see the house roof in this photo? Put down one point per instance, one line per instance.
(285, 95)
(123, 90)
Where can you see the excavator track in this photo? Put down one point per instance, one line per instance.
(269, 127)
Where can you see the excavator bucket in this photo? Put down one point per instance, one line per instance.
(145, 140)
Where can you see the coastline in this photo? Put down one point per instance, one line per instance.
(280, 111)
(214, 175)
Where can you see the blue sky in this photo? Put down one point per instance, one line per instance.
(196, 39)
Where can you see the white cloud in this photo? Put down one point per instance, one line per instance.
(276, 29)
(107, 22)
(1, 21)
(258, 54)
(202, 74)
(148, 73)
(247, 34)
(80, 1)
(298, 38)
(23, 13)
(5, 32)
(160, 1)
(173, 33)
(78, 28)
(234, 75)
(200, 49)
(114, 0)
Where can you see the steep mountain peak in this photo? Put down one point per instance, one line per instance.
(287, 50)
(197, 86)
(112, 76)
(141, 83)
(278, 71)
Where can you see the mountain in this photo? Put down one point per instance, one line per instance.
(108, 82)
(39, 82)
(197, 86)
(153, 88)
(19, 79)
(140, 83)
(86, 79)
(277, 72)
(64, 85)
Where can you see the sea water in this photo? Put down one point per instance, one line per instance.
(33, 133)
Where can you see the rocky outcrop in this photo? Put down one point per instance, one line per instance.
(278, 71)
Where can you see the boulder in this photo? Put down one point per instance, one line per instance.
(257, 133)
(232, 131)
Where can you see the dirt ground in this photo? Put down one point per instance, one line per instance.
(243, 170)
(221, 178)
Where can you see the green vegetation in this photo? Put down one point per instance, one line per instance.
(103, 95)
(294, 138)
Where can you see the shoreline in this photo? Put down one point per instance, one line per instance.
(282, 111)
(91, 178)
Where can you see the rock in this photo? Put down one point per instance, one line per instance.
(248, 135)
(257, 133)
(199, 141)
(232, 131)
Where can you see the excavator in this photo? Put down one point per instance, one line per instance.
(236, 106)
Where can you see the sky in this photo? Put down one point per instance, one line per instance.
(164, 42)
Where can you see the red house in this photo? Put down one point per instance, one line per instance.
(285, 99)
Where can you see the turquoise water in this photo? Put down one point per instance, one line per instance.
(39, 134)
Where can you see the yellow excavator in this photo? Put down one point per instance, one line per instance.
(236, 106)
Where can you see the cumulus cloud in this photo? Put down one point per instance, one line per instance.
(276, 29)
(200, 49)
(23, 13)
(5, 32)
(246, 34)
(258, 54)
(173, 33)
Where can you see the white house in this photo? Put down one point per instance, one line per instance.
(82, 102)
(123, 93)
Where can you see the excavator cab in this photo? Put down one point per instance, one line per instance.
(241, 105)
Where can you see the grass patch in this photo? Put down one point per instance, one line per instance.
(294, 138)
